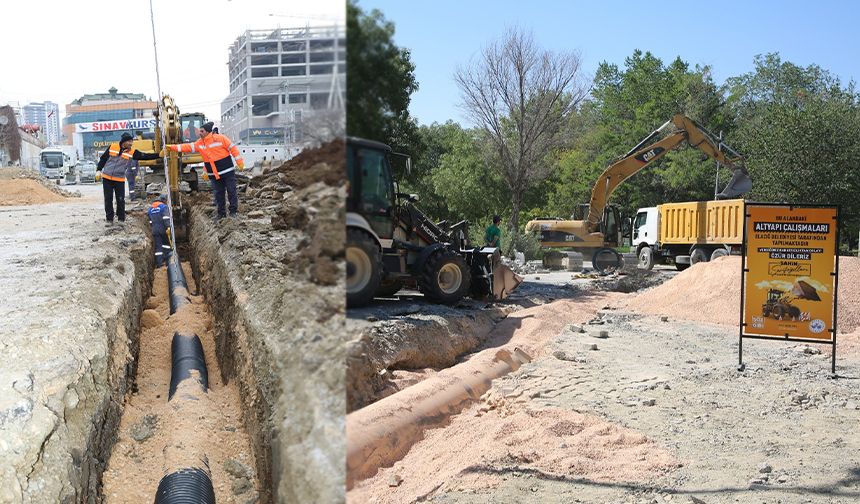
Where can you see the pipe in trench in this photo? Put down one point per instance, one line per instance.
(379, 439)
(186, 485)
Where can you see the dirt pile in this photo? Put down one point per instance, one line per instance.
(27, 187)
(710, 292)
(306, 194)
(498, 438)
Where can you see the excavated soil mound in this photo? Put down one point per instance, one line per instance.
(710, 292)
(306, 194)
(490, 445)
(16, 192)
(323, 164)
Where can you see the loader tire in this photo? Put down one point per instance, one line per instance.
(363, 270)
(681, 266)
(445, 277)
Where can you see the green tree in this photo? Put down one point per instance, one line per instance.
(380, 82)
(799, 129)
(625, 106)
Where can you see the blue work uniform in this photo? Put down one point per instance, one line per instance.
(159, 219)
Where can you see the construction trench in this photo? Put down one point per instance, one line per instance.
(85, 415)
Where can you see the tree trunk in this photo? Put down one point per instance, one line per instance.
(515, 210)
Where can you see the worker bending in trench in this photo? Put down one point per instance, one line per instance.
(159, 219)
(112, 167)
(216, 150)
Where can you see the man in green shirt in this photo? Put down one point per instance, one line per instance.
(493, 236)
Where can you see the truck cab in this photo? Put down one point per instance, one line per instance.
(645, 227)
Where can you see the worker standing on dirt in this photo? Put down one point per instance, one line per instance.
(493, 236)
(159, 219)
(112, 167)
(216, 151)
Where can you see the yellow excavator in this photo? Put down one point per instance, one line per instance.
(600, 231)
(182, 169)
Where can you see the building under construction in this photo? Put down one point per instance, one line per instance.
(280, 79)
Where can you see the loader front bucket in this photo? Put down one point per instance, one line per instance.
(740, 183)
(504, 281)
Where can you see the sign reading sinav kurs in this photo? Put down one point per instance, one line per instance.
(790, 272)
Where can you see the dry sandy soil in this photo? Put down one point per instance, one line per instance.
(653, 410)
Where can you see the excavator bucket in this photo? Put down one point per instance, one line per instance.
(740, 183)
(803, 290)
(504, 281)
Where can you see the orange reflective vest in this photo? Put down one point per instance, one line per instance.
(118, 162)
(215, 149)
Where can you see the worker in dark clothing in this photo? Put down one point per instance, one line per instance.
(113, 165)
(159, 219)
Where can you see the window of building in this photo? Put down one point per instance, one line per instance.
(287, 59)
(264, 105)
(321, 69)
(269, 59)
(291, 71)
(317, 45)
(293, 46)
(341, 68)
(264, 72)
(319, 100)
(264, 47)
(321, 57)
(298, 98)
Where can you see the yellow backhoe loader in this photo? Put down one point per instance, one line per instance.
(182, 169)
(600, 231)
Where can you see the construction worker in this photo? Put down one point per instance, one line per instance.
(112, 167)
(159, 219)
(493, 236)
(216, 150)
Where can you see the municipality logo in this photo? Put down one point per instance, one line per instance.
(816, 326)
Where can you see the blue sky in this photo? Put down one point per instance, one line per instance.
(726, 35)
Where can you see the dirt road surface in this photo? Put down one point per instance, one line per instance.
(71, 291)
(651, 410)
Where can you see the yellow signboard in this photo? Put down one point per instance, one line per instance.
(790, 272)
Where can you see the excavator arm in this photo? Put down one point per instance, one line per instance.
(646, 153)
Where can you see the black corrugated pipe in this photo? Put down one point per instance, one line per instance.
(187, 485)
(177, 284)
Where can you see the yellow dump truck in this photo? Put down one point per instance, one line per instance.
(688, 233)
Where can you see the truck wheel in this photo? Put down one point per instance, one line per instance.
(646, 258)
(698, 255)
(388, 288)
(606, 261)
(681, 267)
(362, 268)
(445, 278)
(720, 252)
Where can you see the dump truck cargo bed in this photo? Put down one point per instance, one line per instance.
(702, 222)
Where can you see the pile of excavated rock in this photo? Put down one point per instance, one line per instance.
(306, 194)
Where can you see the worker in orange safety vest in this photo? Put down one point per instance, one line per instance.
(216, 151)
